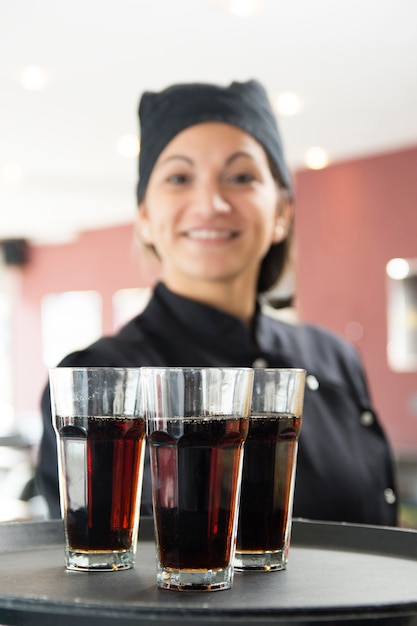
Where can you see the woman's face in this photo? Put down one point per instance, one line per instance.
(212, 207)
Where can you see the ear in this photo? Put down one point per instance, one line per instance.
(283, 220)
(143, 229)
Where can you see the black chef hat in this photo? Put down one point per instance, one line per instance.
(165, 114)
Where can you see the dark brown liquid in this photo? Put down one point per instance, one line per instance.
(196, 472)
(268, 469)
(101, 462)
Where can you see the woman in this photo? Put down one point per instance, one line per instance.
(215, 204)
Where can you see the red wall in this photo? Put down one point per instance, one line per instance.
(104, 260)
(351, 218)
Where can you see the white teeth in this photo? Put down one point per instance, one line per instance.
(208, 234)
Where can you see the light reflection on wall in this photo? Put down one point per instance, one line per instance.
(402, 314)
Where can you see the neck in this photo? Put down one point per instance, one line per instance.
(236, 299)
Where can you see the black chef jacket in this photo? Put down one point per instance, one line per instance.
(344, 467)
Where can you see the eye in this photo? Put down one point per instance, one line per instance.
(241, 178)
(178, 179)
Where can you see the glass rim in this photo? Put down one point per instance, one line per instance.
(300, 370)
(81, 368)
(174, 368)
(215, 368)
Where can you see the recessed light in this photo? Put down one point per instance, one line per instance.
(316, 158)
(11, 173)
(244, 8)
(398, 269)
(287, 103)
(128, 146)
(33, 78)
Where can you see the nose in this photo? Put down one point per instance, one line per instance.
(210, 199)
(219, 203)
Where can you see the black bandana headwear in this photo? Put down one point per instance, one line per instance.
(165, 114)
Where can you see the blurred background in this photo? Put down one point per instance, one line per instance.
(342, 78)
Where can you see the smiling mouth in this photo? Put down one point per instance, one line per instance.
(211, 234)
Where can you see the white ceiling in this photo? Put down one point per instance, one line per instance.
(352, 62)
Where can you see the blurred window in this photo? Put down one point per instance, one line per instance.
(6, 409)
(127, 303)
(402, 314)
(70, 321)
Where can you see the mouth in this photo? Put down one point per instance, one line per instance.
(207, 234)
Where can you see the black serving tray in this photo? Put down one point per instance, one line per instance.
(336, 572)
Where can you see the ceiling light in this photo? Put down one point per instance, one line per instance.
(398, 269)
(287, 103)
(11, 173)
(128, 146)
(33, 78)
(316, 158)
(244, 8)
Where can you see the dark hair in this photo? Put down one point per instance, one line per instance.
(274, 264)
(276, 260)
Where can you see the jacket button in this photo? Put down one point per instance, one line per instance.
(312, 382)
(389, 495)
(366, 418)
(260, 362)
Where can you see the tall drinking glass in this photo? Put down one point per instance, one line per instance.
(269, 466)
(100, 432)
(197, 421)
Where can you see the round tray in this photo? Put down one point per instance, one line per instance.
(335, 572)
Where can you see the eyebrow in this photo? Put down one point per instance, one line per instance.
(230, 159)
(175, 157)
(237, 155)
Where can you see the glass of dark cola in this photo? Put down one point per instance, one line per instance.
(100, 429)
(196, 421)
(269, 465)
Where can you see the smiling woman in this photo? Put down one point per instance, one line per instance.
(215, 204)
(212, 210)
